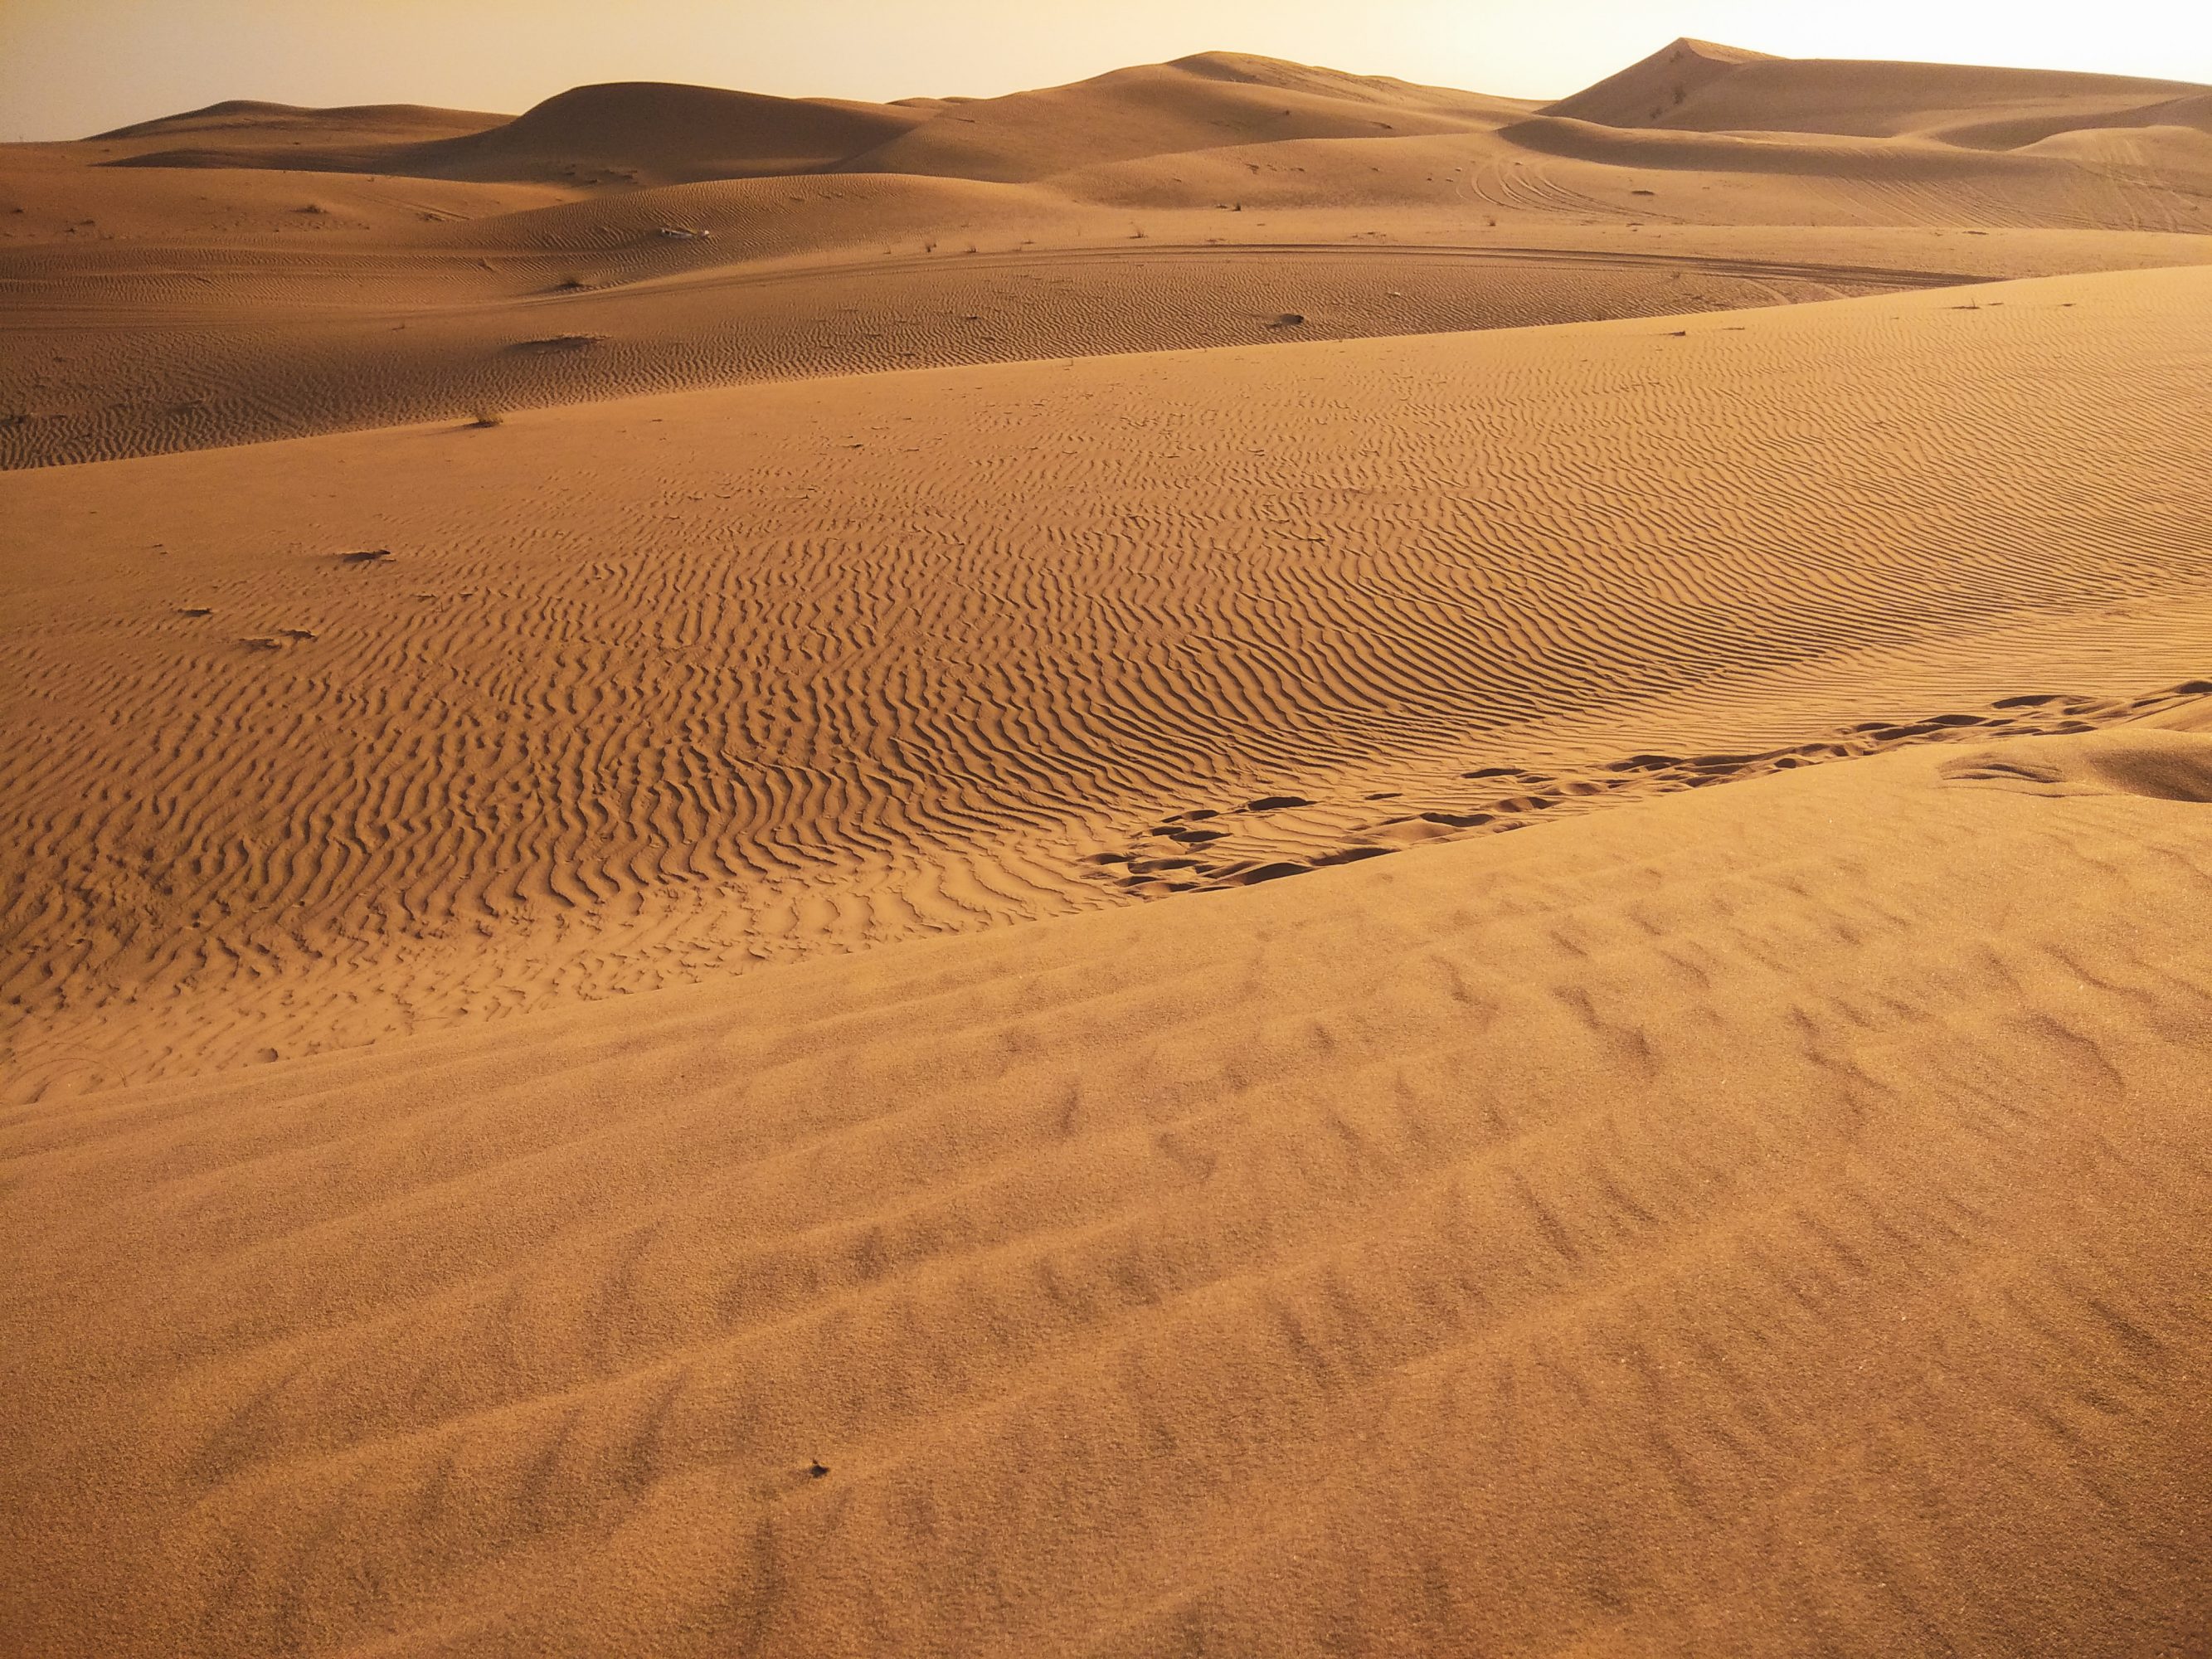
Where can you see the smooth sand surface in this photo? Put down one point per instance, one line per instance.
(1430, 876)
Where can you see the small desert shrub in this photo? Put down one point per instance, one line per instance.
(486, 417)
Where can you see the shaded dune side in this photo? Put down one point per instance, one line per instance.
(669, 133)
(1767, 1220)
(834, 663)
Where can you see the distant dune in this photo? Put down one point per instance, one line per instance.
(1700, 87)
(1236, 860)
(667, 135)
(684, 235)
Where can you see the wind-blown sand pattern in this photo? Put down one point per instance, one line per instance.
(674, 1020)
(843, 661)
(1683, 1227)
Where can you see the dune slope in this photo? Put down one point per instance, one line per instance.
(1233, 861)
(299, 755)
(1770, 1218)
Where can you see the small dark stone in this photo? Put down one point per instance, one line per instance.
(817, 1469)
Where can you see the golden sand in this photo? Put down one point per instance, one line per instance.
(1236, 861)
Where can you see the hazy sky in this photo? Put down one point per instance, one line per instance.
(69, 68)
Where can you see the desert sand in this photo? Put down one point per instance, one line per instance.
(1235, 861)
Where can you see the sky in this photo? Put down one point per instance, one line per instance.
(71, 67)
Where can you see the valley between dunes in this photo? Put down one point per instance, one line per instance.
(1235, 861)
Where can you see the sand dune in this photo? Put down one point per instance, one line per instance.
(829, 662)
(272, 359)
(1237, 861)
(252, 271)
(246, 124)
(656, 134)
(647, 134)
(1695, 85)
(1201, 104)
(1768, 1218)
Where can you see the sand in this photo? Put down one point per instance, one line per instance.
(186, 284)
(1427, 877)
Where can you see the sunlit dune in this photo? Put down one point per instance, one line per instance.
(1237, 861)
(170, 287)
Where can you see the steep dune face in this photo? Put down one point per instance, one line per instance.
(1766, 1219)
(2146, 177)
(644, 691)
